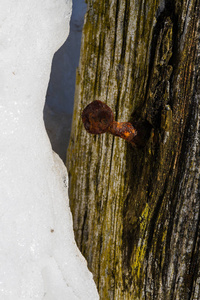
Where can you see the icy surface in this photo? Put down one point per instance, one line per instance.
(38, 256)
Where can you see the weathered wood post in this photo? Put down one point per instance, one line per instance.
(136, 211)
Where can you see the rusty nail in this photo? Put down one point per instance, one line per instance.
(98, 118)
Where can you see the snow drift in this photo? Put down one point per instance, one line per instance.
(38, 256)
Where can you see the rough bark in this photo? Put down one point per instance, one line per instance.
(137, 211)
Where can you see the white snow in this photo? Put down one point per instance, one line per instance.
(38, 255)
